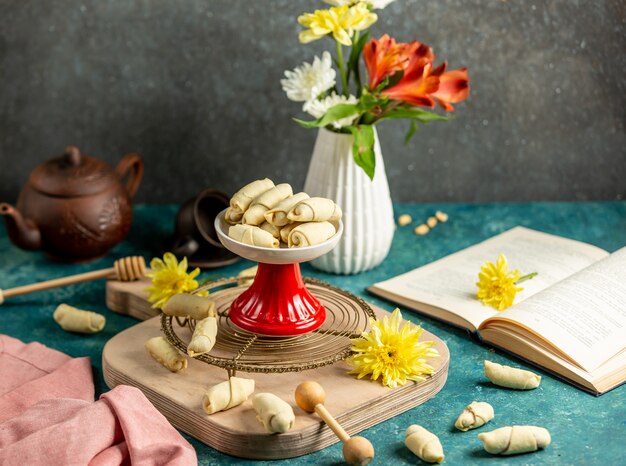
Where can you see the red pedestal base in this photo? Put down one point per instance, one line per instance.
(277, 303)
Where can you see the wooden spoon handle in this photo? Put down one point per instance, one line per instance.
(126, 269)
(64, 281)
(331, 422)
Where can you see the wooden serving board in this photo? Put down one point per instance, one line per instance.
(356, 404)
(130, 298)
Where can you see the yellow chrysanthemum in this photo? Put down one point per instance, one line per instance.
(169, 277)
(358, 17)
(496, 285)
(340, 21)
(392, 352)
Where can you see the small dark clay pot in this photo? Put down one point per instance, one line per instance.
(195, 236)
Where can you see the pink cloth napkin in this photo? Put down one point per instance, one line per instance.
(48, 416)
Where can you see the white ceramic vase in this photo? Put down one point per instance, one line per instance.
(367, 209)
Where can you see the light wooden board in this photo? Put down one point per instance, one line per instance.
(130, 298)
(357, 404)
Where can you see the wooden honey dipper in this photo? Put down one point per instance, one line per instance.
(125, 269)
(310, 396)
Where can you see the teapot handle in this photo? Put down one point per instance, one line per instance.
(132, 162)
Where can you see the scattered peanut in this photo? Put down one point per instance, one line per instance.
(431, 222)
(422, 229)
(404, 220)
(441, 216)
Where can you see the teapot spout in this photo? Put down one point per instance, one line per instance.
(22, 231)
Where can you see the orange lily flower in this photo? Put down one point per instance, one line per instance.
(384, 56)
(421, 84)
(418, 81)
(453, 87)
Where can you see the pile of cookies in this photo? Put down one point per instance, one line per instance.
(266, 215)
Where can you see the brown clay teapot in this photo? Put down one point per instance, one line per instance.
(74, 207)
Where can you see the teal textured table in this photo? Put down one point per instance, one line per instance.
(585, 429)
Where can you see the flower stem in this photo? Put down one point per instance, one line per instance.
(357, 72)
(526, 277)
(344, 78)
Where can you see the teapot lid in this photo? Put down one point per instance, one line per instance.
(73, 174)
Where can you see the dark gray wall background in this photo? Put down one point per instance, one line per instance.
(193, 86)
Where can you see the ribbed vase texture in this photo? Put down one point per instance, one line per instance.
(366, 204)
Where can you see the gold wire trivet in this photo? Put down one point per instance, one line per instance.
(239, 350)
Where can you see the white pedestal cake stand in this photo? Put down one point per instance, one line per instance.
(278, 302)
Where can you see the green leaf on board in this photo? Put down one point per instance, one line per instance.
(363, 148)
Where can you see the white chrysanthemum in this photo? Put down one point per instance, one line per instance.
(375, 4)
(379, 4)
(341, 2)
(308, 81)
(317, 108)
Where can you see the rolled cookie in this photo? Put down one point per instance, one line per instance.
(275, 414)
(189, 305)
(478, 413)
(308, 234)
(203, 338)
(77, 320)
(315, 209)
(510, 377)
(165, 354)
(233, 216)
(271, 229)
(424, 444)
(253, 235)
(278, 215)
(255, 215)
(227, 394)
(284, 231)
(515, 439)
(242, 199)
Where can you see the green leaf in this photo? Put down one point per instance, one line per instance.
(422, 116)
(353, 61)
(369, 101)
(337, 112)
(389, 81)
(395, 78)
(363, 148)
(411, 131)
(382, 85)
(357, 49)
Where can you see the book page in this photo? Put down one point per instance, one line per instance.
(450, 283)
(584, 315)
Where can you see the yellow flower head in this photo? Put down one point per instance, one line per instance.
(169, 277)
(340, 21)
(392, 352)
(358, 17)
(496, 285)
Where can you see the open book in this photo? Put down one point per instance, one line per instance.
(570, 319)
